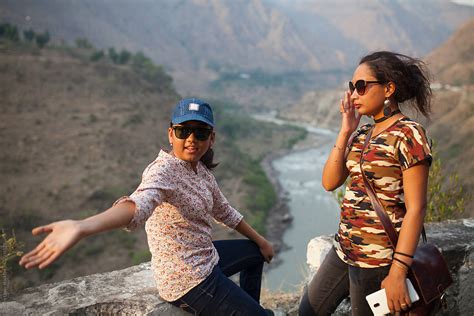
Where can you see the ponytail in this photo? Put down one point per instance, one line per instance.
(208, 159)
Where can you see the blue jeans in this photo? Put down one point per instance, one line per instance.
(334, 281)
(217, 294)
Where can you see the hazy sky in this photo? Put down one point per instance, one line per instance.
(468, 2)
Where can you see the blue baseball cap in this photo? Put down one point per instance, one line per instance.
(192, 110)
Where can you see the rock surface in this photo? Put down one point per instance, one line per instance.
(132, 291)
(129, 291)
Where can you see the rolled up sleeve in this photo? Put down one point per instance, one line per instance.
(222, 211)
(147, 196)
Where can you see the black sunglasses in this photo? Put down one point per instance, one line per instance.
(183, 132)
(361, 85)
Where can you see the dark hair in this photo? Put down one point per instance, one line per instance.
(208, 158)
(409, 75)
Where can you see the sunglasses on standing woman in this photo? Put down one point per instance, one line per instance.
(361, 85)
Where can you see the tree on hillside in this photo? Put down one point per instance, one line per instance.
(124, 57)
(113, 55)
(83, 43)
(446, 198)
(42, 39)
(29, 35)
(140, 61)
(151, 72)
(9, 31)
(97, 55)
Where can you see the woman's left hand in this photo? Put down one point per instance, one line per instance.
(266, 249)
(398, 297)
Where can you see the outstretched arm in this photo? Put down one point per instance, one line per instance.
(63, 235)
(265, 246)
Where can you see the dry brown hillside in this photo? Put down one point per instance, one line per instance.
(76, 135)
(452, 127)
(72, 139)
(453, 62)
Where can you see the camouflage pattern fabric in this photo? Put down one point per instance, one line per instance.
(361, 240)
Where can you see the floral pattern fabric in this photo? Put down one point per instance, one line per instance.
(179, 206)
(361, 240)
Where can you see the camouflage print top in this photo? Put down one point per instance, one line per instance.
(361, 240)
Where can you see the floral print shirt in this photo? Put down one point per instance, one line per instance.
(361, 240)
(179, 206)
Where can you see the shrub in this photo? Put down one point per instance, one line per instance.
(42, 39)
(29, 35)
(97, 55)
(446, 198)
(10, 32)
(83, 43)
(10, 249)
(123, 57)
(113, 55)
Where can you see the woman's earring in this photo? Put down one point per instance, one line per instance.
(387, 111)
(171, 144)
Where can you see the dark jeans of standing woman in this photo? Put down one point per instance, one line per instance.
(334, 281)
(217, 294)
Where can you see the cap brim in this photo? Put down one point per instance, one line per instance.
(192, 117)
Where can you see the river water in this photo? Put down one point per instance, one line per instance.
(315, 212)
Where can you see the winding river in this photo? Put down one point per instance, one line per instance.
(315, 212)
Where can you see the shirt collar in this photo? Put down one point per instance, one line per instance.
(179, 162)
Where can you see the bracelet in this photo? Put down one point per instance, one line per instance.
(401, 264)
(403, 254)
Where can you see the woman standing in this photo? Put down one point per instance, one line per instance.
(178, 199)
(396, 162)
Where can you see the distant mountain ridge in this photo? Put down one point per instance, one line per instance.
(198, 40)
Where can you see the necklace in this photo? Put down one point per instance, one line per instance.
(388, 116)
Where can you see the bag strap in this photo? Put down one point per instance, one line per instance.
(377, 205)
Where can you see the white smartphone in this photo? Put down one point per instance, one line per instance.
(378, 300)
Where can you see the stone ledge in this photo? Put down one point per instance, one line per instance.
(129, 291)
(132, 291)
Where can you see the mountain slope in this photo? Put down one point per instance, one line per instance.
(199, 41)
(75, 136)
(453, 62)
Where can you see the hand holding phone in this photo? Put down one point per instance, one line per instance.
(378, 300)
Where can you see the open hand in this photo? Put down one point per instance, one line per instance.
(61, 236)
